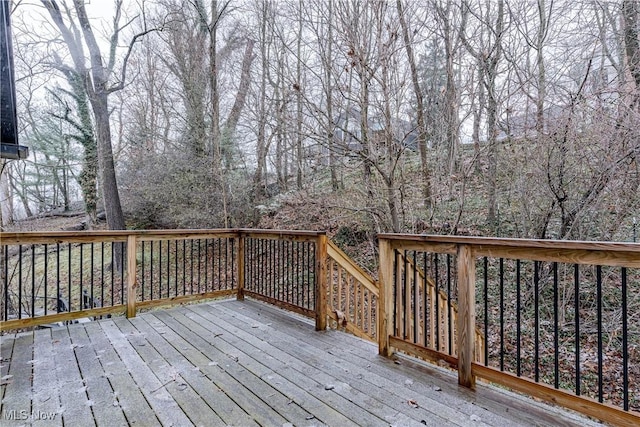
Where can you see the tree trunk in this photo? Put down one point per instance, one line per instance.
(632, 40)
(422, 128)
(298, 88)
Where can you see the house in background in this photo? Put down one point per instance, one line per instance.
(347, 133)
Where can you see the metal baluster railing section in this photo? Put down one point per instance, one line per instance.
(561, 320)
(566, 325)
(170, 268)
(43, 279)
(281, 269)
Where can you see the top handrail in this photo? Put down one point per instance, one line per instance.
(619, 254)
(42, 237)
(515, 242)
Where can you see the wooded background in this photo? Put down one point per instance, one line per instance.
(511, 118)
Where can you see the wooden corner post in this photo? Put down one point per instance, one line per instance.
(131, 276)
(321, 283)
(466, 315)
(240, 264)
(385, 300)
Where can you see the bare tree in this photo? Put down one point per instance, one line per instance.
(420, 114)
(96, 79)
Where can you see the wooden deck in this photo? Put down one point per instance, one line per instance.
(239, 363)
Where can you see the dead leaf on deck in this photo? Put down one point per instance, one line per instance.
(342, 319)
(413, 403)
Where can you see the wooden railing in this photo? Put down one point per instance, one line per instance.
(432, 319)
(353, 295)
(555, 320)
(563, 317)
(63, 276)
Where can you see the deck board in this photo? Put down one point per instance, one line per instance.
(248, 390)
(46, 392)
(76, 405)
(321, 368)
(238, 363)
(127, 396)
(496, 408)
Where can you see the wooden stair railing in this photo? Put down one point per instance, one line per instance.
(445, 323)
(352, 295)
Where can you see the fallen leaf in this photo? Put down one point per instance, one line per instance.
(413, 403)
(342, 319)
(329, 387)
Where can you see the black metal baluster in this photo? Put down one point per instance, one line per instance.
(101, 274)
(233, 264)
(404, 296)
(206, 265)
(486, 310)
(285, 272)
(33, 280)
(19, 306)
(81, 295)
(299, 289)
(260, 267)
(501, 315)
(416, 305)
(57, 279)
(6, 282)
(151, 272)
(219, 264)
(122, 268)
(46, 277)
(250, 260)
(312, 270)
(159, 269)
(184, 266)
(191, 287)
(599, 304)
(556, 365)
(576, 302)
(168, 269)
(226, 263)
(263, 269)
(395, 291)
(289, 266)
(536, 312)
(449, 302)
(142, 266)
(113, 262)
(278, 269)
(272, 268)
(425, 294)
(305, 272)
(176, 268)
(199, 263)
(437, 292)
(518, 365)
(92, 275)
(625, 344)
(281, 272)
(269, 284)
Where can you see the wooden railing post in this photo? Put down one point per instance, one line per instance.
(321, 283)
(240, 264)
(131, 276)
(466, 314)
(385, 299)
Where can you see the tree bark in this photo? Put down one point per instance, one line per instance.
(417, 90)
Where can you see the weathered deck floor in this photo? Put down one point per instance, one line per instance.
(235, 363)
